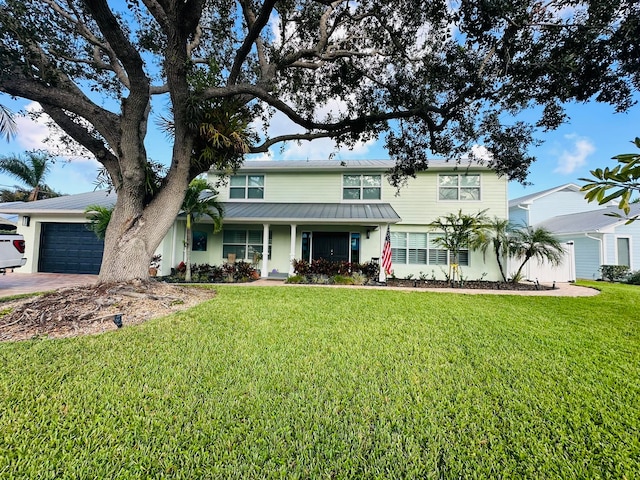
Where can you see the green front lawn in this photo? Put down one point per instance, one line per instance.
(304, 382)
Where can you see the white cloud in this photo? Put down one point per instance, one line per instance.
(31, 132)
(570, 160)
(72, 172)
(481, 152)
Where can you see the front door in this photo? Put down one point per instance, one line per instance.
(332, 246)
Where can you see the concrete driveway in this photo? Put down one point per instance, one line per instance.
(14, 283)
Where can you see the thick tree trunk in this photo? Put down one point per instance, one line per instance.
(134, 234)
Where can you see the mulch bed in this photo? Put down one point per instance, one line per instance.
(473, 284)
(92, 309)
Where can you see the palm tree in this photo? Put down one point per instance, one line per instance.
(459, 231)
(200, 200)
(31, 171)
(99, 218)
(534, 242)
(8, 127)
(495, 235)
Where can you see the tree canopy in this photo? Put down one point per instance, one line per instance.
(432, 78)
(617, 183)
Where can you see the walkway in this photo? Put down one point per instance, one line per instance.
(22, 283)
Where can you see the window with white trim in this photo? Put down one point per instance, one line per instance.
(361, 187)
(410, 248)
(243, 243)
(246, 186)
(459, 186)
(437, 254)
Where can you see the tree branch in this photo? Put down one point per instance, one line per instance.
(255, 26)
(68, 97)
(257, 92)
(127, 53)
(84, 138)
(264, 146)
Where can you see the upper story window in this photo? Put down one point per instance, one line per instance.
(246, 186)
(361, 187)
(459, 187)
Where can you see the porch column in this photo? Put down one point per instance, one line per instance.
(264, 271)
(292, 251)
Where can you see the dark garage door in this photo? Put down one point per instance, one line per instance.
(69, 248)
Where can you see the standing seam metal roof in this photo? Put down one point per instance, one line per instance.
(341, 212)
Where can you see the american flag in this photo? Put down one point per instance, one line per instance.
(386, 253)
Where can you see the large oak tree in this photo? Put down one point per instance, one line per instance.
(433, 78)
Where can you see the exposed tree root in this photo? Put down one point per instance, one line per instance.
(91, 309)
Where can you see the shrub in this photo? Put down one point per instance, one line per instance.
(370, 270)
(342, 280)
(323, 267)
(296, 279)
(614, 273)
(358, 278)
(301, 267)
(243, 271)
(216, 274)
(633, 278)
(319, 279)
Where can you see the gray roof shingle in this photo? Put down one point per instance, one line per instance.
(340, 165)
(65, 204)
(593, 221)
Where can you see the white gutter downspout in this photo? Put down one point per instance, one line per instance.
(601, 246)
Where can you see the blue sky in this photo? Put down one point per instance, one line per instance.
(594, 134)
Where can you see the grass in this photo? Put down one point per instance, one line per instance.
(335, 383)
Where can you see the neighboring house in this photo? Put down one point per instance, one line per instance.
(597, 238)
(303, 209)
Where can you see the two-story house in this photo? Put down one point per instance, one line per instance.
(299, 209)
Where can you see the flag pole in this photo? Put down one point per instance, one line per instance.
(386, 263)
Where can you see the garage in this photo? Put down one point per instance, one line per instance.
(69, 248)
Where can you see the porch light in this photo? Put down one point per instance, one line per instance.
(26, 220)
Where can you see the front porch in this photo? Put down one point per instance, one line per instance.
(271, 236)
